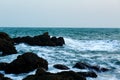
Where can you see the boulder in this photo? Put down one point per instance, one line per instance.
(40, 40)
(83, 65)
(6, 44)
(26, 63)
(61, 67)
(43, 75)
(7, 47)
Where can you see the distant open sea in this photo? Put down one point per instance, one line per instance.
(97, 46)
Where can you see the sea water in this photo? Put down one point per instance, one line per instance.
(96, 46)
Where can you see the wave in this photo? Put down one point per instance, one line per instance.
(93, 45)
(72, 52)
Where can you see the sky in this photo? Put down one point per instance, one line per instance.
(60, 13)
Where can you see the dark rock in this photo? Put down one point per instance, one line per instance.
(54, 39)
(26, 63)
(104, 69)
(6, 47)
(60, 41)
(3, 65)
(40, 40)
(82, 65)
(71, 75)
(40, 71)
(6, 44)
(60, 66)
(66, 75)
(6, 37)
(4, 78)
(98, 68)
(31, 77)
(1, 75)
(88, 74)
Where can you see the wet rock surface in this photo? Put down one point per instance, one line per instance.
(29, 61)
(60, 66)
(88, 74)
(40, 40)
(6, 44)
(83, 65)
(26, 63)
(65, 75)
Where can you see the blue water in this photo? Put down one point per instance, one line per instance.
(98, 46)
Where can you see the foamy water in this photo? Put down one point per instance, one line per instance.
(99, 52)
(94, 46)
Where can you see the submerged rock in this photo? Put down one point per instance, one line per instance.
(60, 66)
(40, 40)
(26, 63)
(65, 75)
(6, 44)
(83, 65)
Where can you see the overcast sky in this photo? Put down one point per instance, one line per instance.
(60, 13)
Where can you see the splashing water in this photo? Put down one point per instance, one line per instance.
(94, 46)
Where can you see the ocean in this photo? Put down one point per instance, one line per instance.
(96, 46)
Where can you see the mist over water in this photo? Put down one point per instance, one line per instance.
(95, 46)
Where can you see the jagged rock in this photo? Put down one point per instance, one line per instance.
(60, 66)
(6, 44)
(40, 40)
(82, 65)
(26, 63)
(4, 78)
(66, 75)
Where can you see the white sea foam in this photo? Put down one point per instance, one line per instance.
(93, 45)
(72, 52)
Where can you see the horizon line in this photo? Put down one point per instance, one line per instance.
(51, 27)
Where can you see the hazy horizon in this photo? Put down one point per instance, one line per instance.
(62, 13)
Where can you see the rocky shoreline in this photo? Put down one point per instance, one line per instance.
(29, 61)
